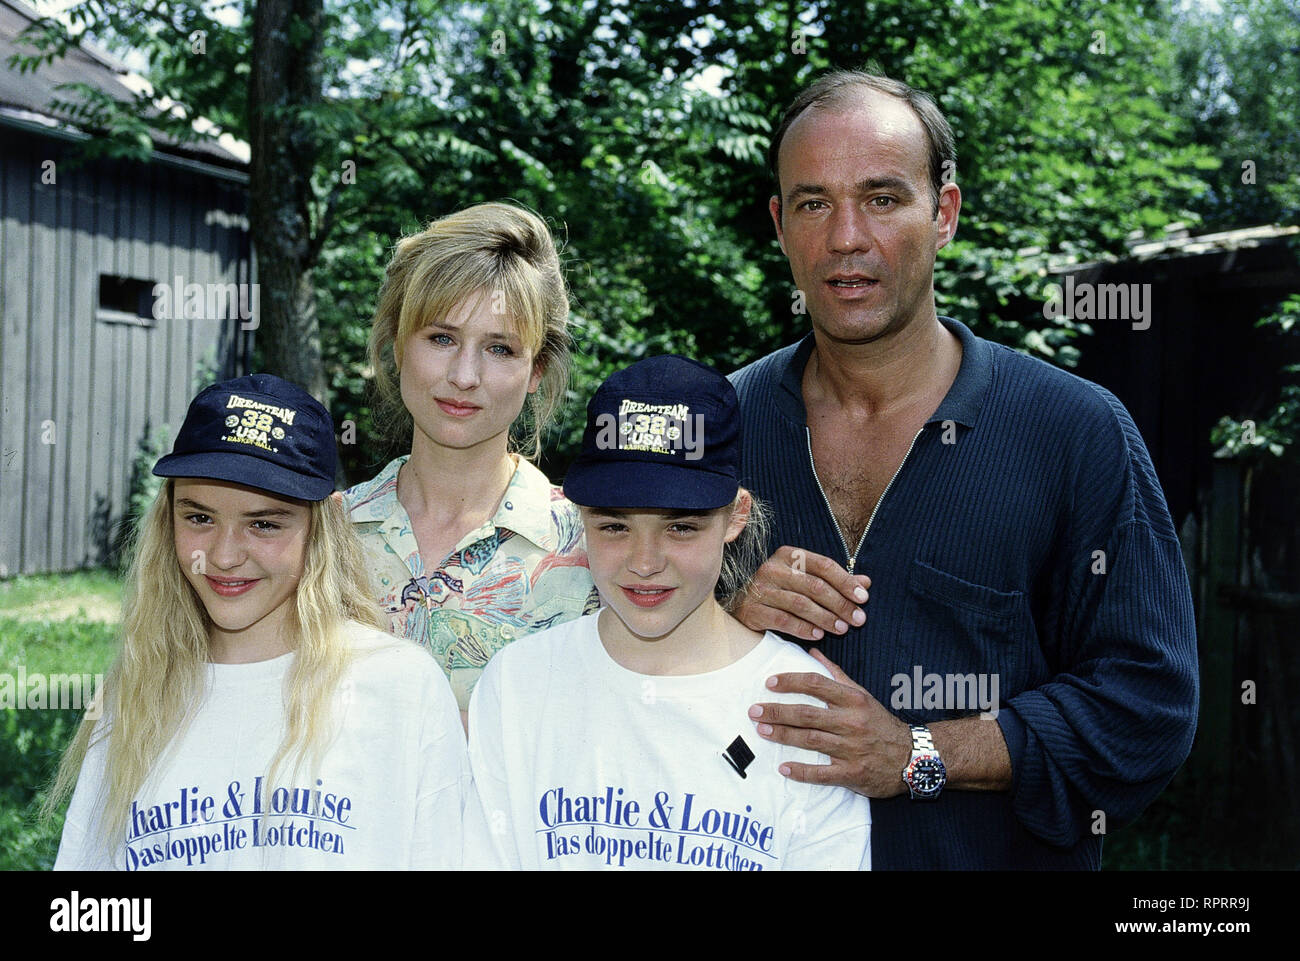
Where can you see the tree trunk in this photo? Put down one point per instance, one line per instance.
(285, 80)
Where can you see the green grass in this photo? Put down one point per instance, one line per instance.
(68, 646)
(102, 586)
(51, 624)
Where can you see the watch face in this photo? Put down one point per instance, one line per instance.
(925, 775)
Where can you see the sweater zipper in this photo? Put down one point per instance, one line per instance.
(853, 555)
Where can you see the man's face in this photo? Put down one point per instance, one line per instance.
(855, 217)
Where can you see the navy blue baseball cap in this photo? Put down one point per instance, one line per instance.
(260, 431)
(662, 434)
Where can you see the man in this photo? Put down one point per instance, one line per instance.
(1029, 652)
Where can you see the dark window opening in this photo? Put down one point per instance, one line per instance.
(125, 300)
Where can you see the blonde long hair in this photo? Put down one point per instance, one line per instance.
(157, 681)
(503, 250)
(742, 557)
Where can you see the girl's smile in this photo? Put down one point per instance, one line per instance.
(227, 587)
(243, 551)
(656, 570)
(648, 595)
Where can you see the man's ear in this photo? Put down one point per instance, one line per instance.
(739, 515)
(774, 207)
(949, 208)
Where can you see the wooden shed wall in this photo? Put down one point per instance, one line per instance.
(80, 395)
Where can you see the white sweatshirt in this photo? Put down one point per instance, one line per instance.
(580, 763)
(389, 792)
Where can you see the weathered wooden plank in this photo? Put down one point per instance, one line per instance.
(9, 544)
(139, 397)
(180, 371)
(46, 424)
(84, 292)
(65, 416)
(103, 415)
(14, 408)
(1220, 689)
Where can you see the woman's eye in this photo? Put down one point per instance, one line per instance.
(266, 526)
(501, 350)
(198, 518)
(683, 528)
(441, 340)
(612, 528)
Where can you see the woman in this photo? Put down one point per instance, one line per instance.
(469, 544)
(622, 739)
(257, 715)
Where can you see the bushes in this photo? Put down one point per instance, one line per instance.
(31, 743)
(32, 740)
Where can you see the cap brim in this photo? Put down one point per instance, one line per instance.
(642, 485)
(249, 471)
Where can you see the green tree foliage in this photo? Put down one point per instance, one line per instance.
(617, 151)
(639, 130)
(1239, 63)
(1276, 435)
(1239, 66)
(169, 35)
(1064, 143)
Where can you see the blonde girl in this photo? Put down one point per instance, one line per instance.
(257, 715)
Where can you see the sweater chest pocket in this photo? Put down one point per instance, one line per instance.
(961, 646)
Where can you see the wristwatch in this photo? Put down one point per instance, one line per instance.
(925, 774)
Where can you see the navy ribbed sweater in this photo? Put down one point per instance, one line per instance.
(983, 560)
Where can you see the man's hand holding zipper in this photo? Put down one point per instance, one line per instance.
(804, 595)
